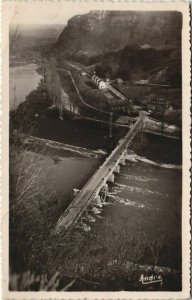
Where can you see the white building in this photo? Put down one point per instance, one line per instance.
(99, 82)
(83, 74)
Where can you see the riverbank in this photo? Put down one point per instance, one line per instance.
(159, 149)
(41, 189)
(45, 123)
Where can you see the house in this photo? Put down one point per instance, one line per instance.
(83, 74)
(142, 81)
(160, 105)
(99, 82)
(146, 46)
(102, 85)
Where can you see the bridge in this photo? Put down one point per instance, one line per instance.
(95, 190)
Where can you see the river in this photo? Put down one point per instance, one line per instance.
(22, 80)
(140, 221)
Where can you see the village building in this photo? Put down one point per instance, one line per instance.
(142, 81)
(83, 74)
(158, 105)
(99, 82)
(146, 46)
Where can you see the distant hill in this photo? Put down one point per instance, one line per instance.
(39, 30)
(33, 37)
(126, 44)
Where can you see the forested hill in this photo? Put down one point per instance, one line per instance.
(103, 31)
(126, 44)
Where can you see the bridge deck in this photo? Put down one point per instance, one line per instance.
(85, 196)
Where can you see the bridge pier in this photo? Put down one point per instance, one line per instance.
(97, 201)
(103, 192)
(116, 169)
(122, 161)
(92, 193)
(111, 178)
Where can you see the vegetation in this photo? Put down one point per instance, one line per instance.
(40, 260)
(82, 265)
(113, 259)
(117, 45)
(100, 32)
(28, 42)
(28, 281)
(132, 63)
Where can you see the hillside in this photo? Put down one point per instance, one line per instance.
(133, 63)
(30, 37)
(103, 31)
(126, 44)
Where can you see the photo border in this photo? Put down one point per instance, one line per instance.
(9, 11)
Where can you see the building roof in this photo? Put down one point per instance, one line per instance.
(98, 80)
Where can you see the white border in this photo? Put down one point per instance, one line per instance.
(10, 8)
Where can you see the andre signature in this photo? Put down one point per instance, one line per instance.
(151, 279)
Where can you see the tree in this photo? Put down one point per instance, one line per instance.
(28, 281)
(14, 38)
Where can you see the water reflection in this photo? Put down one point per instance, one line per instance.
(22, 80)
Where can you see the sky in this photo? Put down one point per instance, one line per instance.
(60, 11)
(39, 13)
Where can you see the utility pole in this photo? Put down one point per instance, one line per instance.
(110, 124)
(14, 98)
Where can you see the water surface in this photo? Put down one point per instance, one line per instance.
(22, 80)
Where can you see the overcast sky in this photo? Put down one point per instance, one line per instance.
(58, 11)
(49, 14)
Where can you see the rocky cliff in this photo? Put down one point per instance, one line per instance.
(123, 43)
(102, 31)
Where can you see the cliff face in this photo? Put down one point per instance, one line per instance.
(103, 31)
(130, 45)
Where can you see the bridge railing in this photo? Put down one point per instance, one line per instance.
(120, 146)
(84, 197)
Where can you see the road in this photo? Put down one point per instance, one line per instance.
(78, 93)
(109, 87)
